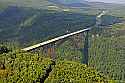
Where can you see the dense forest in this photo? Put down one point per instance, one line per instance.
(28, 67)
(24, 26)
(38, 25)
(106, 55)
(106, 52)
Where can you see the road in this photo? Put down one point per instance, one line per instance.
(55, 39)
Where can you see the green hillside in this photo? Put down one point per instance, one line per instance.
(28, 67)
(23, 67)
(107, 52)
(72, 72)
(93, 8)
(27, 22)
(34, 25)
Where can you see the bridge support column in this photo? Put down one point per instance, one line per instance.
(86, 48)
(52, 51)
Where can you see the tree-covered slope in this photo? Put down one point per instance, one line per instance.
(72, 72)
(27, 24)
(23, 67)
(18, 67)
(106, 53)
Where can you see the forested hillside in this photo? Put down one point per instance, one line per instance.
(22, 67)
(33, 68)
(107, 52)
(28, 25)
(27, 22)
(67, 71)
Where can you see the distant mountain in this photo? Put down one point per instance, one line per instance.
(71, 3)
(28, 25)
(33, 21)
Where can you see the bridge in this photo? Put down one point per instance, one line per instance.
(55, 39)
(51, 44)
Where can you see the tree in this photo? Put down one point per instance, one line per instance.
(4, 49)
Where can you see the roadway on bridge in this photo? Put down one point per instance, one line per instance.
(55, 39)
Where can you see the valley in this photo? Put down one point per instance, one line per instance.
(37, 24)
(27, 22)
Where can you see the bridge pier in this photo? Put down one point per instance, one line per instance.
(49, 47)
(77, 41)
(49, 50)
(85, 50)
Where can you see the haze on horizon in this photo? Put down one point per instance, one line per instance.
(109, 1)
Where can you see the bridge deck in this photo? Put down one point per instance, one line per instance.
(55, 39)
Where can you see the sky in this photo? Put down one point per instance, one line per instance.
(110, 1)
(106, 1)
